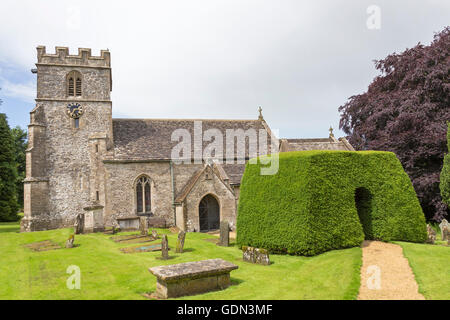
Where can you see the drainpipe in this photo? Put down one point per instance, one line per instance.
(173, 193)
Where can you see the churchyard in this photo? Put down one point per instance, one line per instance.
(109, 273)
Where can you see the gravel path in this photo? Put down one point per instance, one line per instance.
(386, 274)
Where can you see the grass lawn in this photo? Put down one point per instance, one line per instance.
(431, 267)
(106, 273)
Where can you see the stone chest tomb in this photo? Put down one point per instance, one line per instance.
(192, 277)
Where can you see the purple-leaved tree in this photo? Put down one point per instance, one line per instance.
(405, 110)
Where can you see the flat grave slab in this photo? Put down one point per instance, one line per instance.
(192, 277)
(147, 248)
(133, 238)
(43, 245)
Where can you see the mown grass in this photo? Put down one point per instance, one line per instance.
(106, 273)
(431, 266)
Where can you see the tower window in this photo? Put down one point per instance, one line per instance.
(71, 87)
(76, 122)
(74, 84)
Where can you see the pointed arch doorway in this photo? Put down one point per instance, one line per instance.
(209, 213)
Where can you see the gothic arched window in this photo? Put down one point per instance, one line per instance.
(143, 195)
(74, 84)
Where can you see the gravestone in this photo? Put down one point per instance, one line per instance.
(444, 224)
(446, 233)
(255, 255)
(224, 234)
(143, 226)
(69, 242)
(115, 227)
(93, 218)
(180, 242)
(79, 223)
(431, 234)
(165, 247)
(154, 234)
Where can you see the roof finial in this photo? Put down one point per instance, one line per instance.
(331, 131)
(260, 117)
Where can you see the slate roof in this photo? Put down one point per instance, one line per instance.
(150, 139)
(315, 144)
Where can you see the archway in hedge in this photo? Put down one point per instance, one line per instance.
(363, 202)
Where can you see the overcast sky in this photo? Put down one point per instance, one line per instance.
(299, 60)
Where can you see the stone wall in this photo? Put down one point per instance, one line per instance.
(220, 191)
(121, 189)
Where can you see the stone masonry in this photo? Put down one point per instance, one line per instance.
(79, 155)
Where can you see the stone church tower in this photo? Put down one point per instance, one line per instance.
(70, 127)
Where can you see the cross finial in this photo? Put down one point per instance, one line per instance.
(331, 131)
(260, 117)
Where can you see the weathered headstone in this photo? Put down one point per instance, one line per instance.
(255, 255)
(69, 242)
(444, 224)
(165, 247)
(154, 234)
(79, 223)
(431, 234)
(224, 234)
(446, 233)
(143, 225)
(180, 242)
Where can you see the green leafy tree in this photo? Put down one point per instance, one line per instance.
(445, 173)
(8, 173)
(20, 145)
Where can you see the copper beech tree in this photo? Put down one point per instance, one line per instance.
(405, 110)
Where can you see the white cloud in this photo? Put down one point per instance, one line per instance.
(23, 91)
(300, 60)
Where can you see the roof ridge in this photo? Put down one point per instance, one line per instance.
(183, 119)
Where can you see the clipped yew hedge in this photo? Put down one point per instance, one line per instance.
(324, 200)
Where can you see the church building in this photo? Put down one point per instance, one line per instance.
(80, 159)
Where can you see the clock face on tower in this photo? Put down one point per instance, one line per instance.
(74, 110)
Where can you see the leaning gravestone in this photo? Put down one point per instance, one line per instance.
(180, 242)
(444, 224)
(154, 234)
(143, 225)
(165, 247)
(431, 234)
(79, 223)
(69, 242)
(224, 234)
(255, 255)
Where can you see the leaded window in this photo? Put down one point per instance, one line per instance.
(143, 195)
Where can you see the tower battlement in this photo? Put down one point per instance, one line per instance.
(83, 58)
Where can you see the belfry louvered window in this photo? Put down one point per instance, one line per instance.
(143, 195)
(74, 84)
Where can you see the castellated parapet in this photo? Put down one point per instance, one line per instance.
(83, 58)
